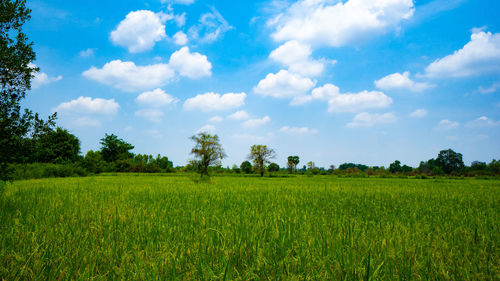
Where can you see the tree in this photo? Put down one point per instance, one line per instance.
(207, 151)
(450, 161)
(261, 155)
(395, 167)
(113, 148)
(57, 146)
(273, 167)
(292, 163)
(246, 167)
(311, 165)
(16, 72)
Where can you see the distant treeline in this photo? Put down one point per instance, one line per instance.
(56, 153)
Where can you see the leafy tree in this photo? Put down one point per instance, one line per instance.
(16, 72)
(246, 167)
(311, 165)
(113, 148)
(450, 161)
(292, 163)
(261, 155)
(273, 167)
(395, 167)
(478, 166)
(208, 152)
(93, 162)
(58, 146)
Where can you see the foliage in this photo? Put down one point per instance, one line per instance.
(46, 170)
(113, 148)
(346, 166)
(292, 162)
(57, 146)
(16, 72)
(450, 161)
(134, 227)
(207, 151)
(273, 167)
(261, 155)
(246, 167)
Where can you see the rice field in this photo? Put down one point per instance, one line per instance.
(244, 228)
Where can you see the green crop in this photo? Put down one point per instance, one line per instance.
(243, 228)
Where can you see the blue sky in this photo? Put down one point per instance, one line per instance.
(364, 81)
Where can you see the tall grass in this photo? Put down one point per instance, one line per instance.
(303, 228)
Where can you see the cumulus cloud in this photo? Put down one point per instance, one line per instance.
(87, 53)
(284, 85)
(481, 55)
(419, 113)
(191, 65)
(140, 30)
(298, 130)
(258, 122)
(335, 24)
(207, 129)
(215, 102)
(398, 81)
(239, 115)
(128, 77)
(446, 125)
(152, 114)
(210, 27)
(41, 78)
(297, 57)
(216, 119)
(482, 122)
(87, 105)
(180, 38)
(366, 119)
(156, 98)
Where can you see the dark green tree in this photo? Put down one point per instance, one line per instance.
(58, 146)
(113, 148)
(395, 167)
(450, 161)
(246, 167)
(207, 151)
(261, 155)
(273, 167)
(16, 72)
(292, 163)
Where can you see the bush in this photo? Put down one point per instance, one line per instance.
(47, 170)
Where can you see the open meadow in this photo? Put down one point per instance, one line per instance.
(169, 227)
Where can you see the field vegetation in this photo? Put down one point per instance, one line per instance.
(172, 227)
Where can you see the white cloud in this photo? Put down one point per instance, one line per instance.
(481, 55)
(87, 105)
(358, 101)
(248, 137)
(86, 122)
(210, 27)
(41, 78)
(398, 81)
(213, 102)
(180, 38)
(182, 2)
(483, 121)
(298, 130)
(366, 119)
(239, 115)
(180, 20)
(156, 98)
(284, 85)
(207, 129)
(255, 123)
(419, 113)
(153, 115)
(140, 30)
(446, 125)
(191, 65)
(335, 24)
(489, 90)
(216, 119)
(297, 57)
(87, 53)
(128, 77)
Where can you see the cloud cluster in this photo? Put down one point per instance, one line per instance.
(419, 113)
(239, 115)
(335, 24)
(42, 78)
(398, 81)
(255, 123)
(284, 85)
(210, 27)
(481, 55)
(297, 57)
(156, 98)
(127, 76)
(296, 131)
(140, 30)
(366, 119)
(215, 102)
(447, 125)
(86, 111)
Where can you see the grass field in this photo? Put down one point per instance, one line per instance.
(302, 228)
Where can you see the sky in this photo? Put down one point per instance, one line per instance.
(363, 81)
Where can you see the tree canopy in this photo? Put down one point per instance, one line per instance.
(113, 148)
(261, 155)
(207, 151)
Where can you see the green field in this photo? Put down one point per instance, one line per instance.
(246, 228)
